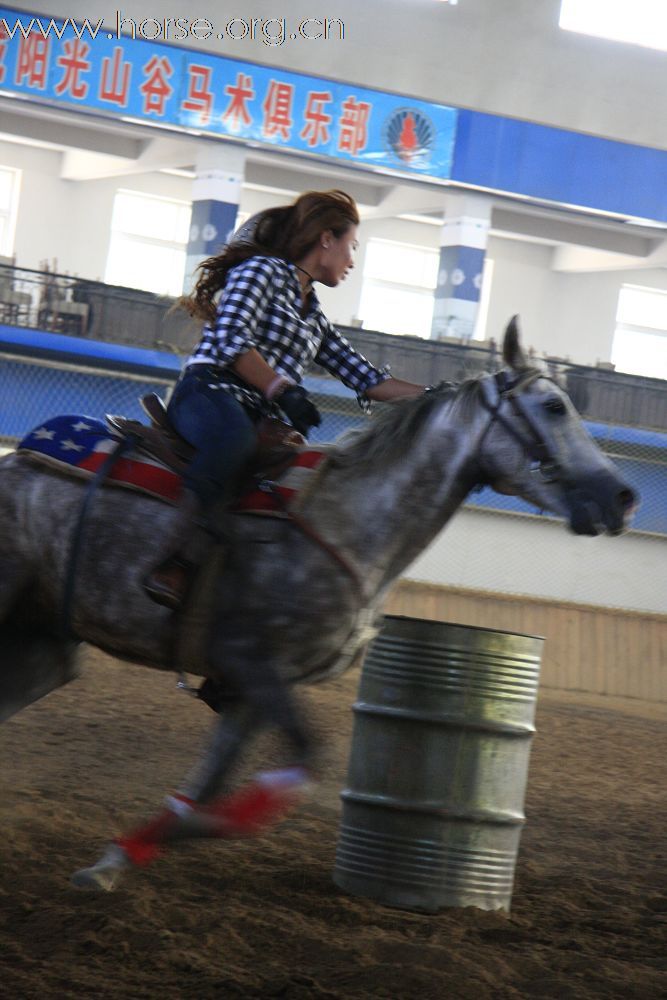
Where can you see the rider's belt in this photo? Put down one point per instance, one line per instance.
(217, 374)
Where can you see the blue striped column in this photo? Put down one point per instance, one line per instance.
(216, 195)
(463, 243)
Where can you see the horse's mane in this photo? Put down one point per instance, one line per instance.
(396, 426)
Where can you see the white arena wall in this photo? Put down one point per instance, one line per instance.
(587, 648)
(600, 603)
(539, 557)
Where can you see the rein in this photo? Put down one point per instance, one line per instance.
(77, 535)
(307, 529)
(534, 446)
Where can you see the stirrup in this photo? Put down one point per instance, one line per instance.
(169, 592)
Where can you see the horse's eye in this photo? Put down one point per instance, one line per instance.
(554, 405)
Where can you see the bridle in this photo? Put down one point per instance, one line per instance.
(532, 443)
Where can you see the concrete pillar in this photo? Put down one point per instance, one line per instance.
(216, 194)
(463, 243)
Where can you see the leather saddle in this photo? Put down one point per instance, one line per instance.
(277, 442)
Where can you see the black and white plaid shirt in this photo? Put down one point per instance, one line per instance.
(260, 307)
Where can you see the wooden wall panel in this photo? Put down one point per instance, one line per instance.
(606, 651)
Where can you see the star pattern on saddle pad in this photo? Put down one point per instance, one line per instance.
(80, 445)
(74, 434)
(69, 445)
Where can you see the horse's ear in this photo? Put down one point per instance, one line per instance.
(513, 355)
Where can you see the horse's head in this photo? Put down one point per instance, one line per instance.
(536, 447)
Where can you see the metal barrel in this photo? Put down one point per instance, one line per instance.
(433, 808)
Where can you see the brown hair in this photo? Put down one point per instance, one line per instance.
(288, 232)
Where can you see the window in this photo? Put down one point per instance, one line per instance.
(643, 22)
(9, 199)
(397, 293)
(640, 340)
(149, 238)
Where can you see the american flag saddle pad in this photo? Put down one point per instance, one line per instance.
(276, 497)
(78, 445)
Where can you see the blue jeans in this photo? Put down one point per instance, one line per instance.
(217, 425)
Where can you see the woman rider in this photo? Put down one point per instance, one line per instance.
(258, 338)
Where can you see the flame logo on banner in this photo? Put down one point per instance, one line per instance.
(411, 136)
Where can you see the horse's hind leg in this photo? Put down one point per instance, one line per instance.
(33, 662)
(33, 665)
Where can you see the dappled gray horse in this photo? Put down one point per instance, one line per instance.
(286, 607)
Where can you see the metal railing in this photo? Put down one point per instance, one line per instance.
(64, 303)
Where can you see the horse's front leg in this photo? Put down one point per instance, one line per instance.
(197, 809)
(232, 729)
(260, 699)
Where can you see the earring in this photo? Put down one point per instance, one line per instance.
(326, 246)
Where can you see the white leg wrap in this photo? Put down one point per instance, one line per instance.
(286, 777)
(106, 874)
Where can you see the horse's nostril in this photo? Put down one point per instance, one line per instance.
(627, 499)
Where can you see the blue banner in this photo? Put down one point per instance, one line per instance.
(87, 67)
(568, 168)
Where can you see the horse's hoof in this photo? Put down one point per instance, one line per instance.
(106, 874)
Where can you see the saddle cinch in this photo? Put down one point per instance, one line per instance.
(277, 441)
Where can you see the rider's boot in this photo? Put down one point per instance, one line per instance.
(168, 582)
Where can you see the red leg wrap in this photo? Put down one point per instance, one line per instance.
(245, 813)
(145, 843)
(251, 810)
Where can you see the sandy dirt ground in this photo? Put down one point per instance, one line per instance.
(262, 918)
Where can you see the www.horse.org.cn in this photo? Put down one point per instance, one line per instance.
(268, 30)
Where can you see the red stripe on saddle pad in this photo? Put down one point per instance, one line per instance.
(159, 481)
(308, 459)
(260, 501)
(156, 479)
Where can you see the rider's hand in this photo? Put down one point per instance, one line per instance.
(299, 409)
